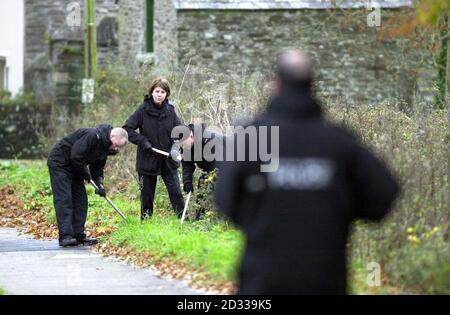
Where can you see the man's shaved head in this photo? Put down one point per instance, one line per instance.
(295, 68)
(119, 138)
(120, 133)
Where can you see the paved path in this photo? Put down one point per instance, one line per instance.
(29, 266)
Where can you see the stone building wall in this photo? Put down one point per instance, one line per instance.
(41, 18)
(45, 17)
(215, 34)
(54, 50)
(352, 63)
(165, 34)
(132, 32)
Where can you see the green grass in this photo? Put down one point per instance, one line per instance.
(214, 249)
(2, 292)
(211, 248)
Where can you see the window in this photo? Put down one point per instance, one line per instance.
(149, 25)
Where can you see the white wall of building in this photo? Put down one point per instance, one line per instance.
(12, 41)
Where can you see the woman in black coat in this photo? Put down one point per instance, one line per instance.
(155, 119)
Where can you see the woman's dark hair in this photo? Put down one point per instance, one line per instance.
(161, 83)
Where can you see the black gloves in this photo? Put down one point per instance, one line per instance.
(100, 189)
(188, 187)
(86, 175)
(147, 146)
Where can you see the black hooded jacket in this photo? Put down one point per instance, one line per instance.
(296, 219)
(86, 147)
(154, 124)
(205, 164)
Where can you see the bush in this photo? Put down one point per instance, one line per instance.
(416, 146)
(22, 99)
(203, 199)
(423, 264)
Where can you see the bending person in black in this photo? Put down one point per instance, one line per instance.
(79, 157)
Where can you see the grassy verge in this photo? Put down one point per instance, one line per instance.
(203, 253)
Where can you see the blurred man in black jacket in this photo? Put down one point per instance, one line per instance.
(78, 157)
(296, 218)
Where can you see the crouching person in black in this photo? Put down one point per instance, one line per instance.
(191, 161)
(79, 157)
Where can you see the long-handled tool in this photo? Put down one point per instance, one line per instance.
(161, 152)
(174, 154)
(110, 202)
(186, 206)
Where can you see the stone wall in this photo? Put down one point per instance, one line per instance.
(19, 127)
(132, 32)
(54, 50)
(353, 62)
(45, 17)
(41, 17)
(165, 34)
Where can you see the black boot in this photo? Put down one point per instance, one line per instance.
(146, 214)
(87, 241)
(68, 241)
